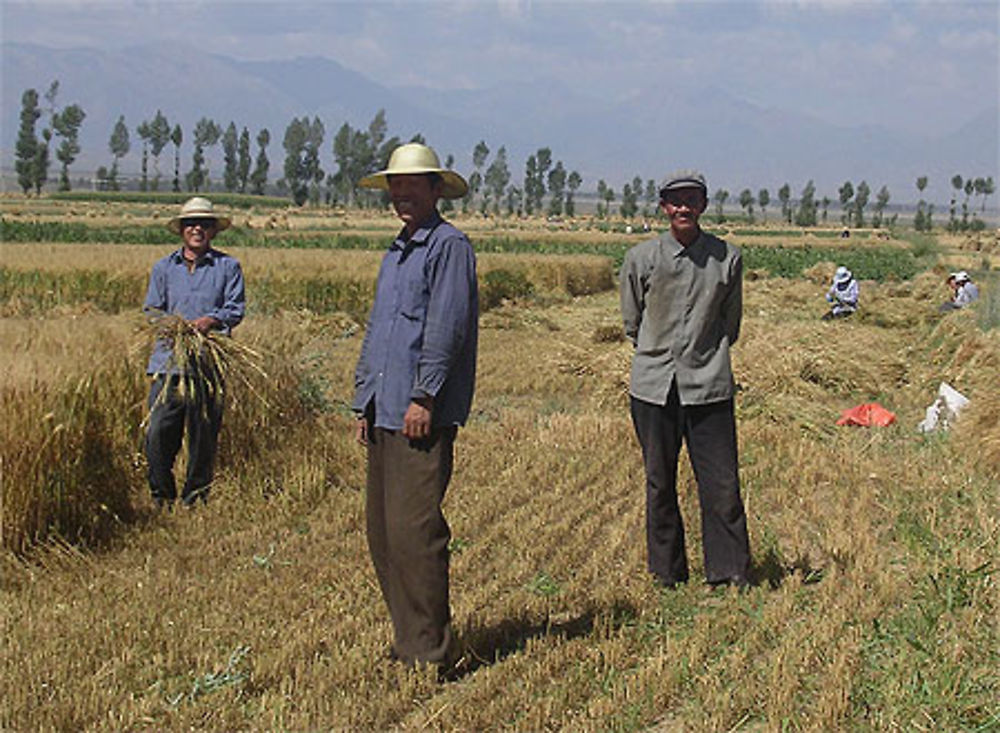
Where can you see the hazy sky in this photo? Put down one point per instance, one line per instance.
(923, 65)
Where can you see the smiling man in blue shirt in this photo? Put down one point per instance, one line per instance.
(205, 287)
(413, 387)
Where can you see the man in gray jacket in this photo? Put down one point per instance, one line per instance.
(682, 302)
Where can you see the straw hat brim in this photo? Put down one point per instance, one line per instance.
(221, 222)
(454, 186)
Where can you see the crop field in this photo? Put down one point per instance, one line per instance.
(876, 551)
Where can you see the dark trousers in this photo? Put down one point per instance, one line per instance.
(408, 538)
(710, 434)
(200, 412)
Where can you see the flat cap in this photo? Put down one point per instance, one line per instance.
(683, 179)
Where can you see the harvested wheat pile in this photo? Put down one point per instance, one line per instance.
(821, 273)
(790, 374)
(979, 430)
(604, 365)
(985, 242)
(969, 360)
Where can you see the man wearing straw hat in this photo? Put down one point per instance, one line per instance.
(682, 303)
(413, 388)
(204, 287)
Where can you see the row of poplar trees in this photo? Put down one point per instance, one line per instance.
(547, 188)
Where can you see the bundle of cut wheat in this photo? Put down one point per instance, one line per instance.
(205, 362)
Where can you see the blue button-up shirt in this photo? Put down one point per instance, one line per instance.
(423, 330)
(214, 287)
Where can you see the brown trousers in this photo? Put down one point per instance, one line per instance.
(408, 538)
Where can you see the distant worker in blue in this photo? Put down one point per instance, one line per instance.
(964, 291)
(842, 295)
(205, 287)
(413, 388)
(682, 304)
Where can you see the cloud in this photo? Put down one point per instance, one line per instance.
(970, 41)
(843, 58)
(516, 10)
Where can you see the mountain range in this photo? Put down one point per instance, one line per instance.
(681, 124)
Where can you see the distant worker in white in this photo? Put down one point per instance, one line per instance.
(964, 291)
(842, 295)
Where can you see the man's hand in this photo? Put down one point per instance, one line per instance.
(417, 420)
(361, 430)
(205, 324)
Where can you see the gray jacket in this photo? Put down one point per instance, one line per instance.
(682, 307)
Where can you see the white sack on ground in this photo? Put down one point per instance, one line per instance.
(944, 410)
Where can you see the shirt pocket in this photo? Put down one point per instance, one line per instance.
(413, 300)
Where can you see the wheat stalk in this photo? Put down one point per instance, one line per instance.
(205, 362)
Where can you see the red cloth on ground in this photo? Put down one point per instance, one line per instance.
(866, 415)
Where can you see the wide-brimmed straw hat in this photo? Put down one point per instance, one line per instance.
(198, 208)
(415, 159)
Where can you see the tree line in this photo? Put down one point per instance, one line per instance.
(547, 187)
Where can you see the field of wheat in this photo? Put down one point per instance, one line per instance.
(875, 551)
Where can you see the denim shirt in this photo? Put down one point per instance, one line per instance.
(423, 329)
(213, 288)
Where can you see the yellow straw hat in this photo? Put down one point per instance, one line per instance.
(415, 159)
(198, 208)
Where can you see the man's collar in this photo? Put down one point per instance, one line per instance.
(178, 255)
(668, 236)
(422, 233)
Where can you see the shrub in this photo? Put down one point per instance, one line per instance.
(867, 263)
(229, 200)
(500, 285)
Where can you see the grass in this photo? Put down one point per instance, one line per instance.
(787, 253)
(875, 550)
(75, 472)
(232, 200)
(867, 263)
(988, 308)
(36, 279)
(876, 553)
(68, 460)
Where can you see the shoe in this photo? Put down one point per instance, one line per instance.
(738, 581)
(668, 584)
(163, 505)
(453, 671)
(191, 498)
